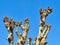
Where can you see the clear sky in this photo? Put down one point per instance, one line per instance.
(21, 9)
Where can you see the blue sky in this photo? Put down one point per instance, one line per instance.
(21, 9)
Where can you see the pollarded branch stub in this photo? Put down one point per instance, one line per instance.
(26, 20)
(9, 23)
(44, 13)
(26, 24)
(41, 11)
(49, 10)
(12, 24)
(35, 38)
(29, 40)
(49, 26)
(24, 27)
(5, 19)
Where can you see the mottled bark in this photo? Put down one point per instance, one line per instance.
(29, 41)
(9, 24)
(42, 34)
(43, 15)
